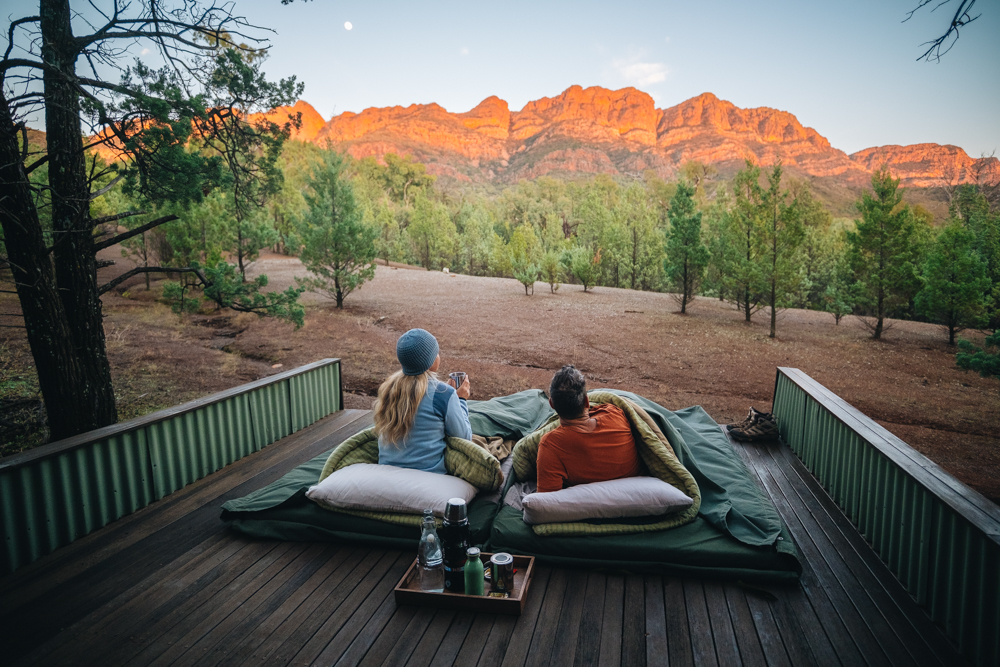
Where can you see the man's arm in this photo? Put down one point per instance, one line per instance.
(551, 472)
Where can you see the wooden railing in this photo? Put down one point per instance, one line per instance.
(56, 493)
(938, 536)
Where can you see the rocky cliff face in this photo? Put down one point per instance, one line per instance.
(930, 165)
(588, 130)
(595, 130)
(311, 121)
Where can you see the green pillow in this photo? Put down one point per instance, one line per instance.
(655, 451)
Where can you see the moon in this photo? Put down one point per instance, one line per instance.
(347, 25)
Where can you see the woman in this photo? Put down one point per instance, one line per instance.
(415, 412)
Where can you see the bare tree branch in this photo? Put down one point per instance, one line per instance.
(133, 232)
(116, 216)
(107, 287)
(961, 19)
(107, 188)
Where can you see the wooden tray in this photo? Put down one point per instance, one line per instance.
(408, 591)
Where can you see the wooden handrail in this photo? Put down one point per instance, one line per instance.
(968, 503)
(60, 446)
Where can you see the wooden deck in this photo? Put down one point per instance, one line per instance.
(171, 585)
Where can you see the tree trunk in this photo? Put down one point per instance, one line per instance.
(49, 335)
(877, 334)
(773, 311)
(73, 248)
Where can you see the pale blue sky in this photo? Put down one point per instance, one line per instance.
(846, 68)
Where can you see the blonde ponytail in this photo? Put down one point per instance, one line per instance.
(396, 406)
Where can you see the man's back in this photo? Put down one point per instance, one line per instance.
(591, 449)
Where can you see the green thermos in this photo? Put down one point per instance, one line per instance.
(474, 573)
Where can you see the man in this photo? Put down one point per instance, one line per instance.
(591, 443)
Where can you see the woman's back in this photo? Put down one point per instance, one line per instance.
(441, 414)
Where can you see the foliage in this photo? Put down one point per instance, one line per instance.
(884, 251)
(970, 205)
(839, 295)
(687, 256)
(984, 360)
(583, 263)
(741, 233)
(222, 285)
(954, 282)
(551, 270)
(782, 233)
(335, 244)
(198, 123)
(431, 233)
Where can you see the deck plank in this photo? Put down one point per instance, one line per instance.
(520, 638)
(424, 652)
(699, 624)
(751, 653)
(911, 625)
(497, 642)
(369, 617)
(407, 641)
(612, 623)
(568, 630)
(58, 568)
(475, 640)
(170, 584)
(588, 645)
(660, 615)
(835, 553)
(296, 629)
(244, 620)
(548, 620)
(452, 641)
(723, 636)
(296, 605)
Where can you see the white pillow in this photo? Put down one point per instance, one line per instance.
(629, 496)
(384, 488)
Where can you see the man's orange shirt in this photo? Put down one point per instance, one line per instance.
(575, 454)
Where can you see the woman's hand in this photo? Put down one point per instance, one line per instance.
(465, 390)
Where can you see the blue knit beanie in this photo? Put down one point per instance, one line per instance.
(416, 350)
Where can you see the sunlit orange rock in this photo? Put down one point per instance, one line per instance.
(591, 113)
(311, 121)
(596, 130)
(930, 165)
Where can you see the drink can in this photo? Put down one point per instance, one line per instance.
(502, 573)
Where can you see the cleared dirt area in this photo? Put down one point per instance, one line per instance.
(507, 342)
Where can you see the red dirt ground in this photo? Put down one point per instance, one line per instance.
(507, 342)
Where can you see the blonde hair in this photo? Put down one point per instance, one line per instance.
(396, 406)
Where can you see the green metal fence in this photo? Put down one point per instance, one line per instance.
(51, 495)
(938, 536)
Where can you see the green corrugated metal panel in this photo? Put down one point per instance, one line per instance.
(50, 500)
(946, 563)
(272, 418)
(187, 447)
(61, 498)
(314, 395)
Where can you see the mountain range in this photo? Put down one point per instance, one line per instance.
(621, 132)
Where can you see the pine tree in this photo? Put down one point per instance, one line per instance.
(743, 231)
(955, 282)
(687, 255)
(884, 251)
(782, 234)
(336, 246)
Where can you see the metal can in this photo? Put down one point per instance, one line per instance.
(502, 574)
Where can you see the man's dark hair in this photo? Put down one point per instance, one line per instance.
(568, 392)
